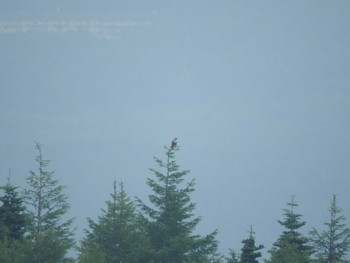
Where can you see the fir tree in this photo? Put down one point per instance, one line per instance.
(50, 235)
(170, 220)
(250, 252)
(12, 225)
(333, 243)
(12, 213)
(116, 236)
(292, 246)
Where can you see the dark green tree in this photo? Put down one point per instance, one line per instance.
(291, 246)
(333, 243)
(250, 252)
(49, 233)
(12, 225)
(116, 236)
(170, 220)
(12, 213)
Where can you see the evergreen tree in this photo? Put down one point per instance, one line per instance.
(250, 251)
(291, 246)
(333, 243)
(50, 235)
(116, 237)
(12, 214)
(170, 220)
(12, 225)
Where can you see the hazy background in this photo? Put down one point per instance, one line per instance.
(257, 92)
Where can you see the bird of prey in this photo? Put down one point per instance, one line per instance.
(173, 143)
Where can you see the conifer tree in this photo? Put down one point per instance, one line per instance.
(250, 252)
(170, 220)
(291, 246)
(116, 236)
(12, 213)
(12, 225)
(49, 233)
(333, 243)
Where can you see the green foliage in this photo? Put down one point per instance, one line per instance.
(90, 252)
(12, 214)
(116, 237)
(333, 243)
(170, 221)
(14, 251)
(50, 235)
(233, 257)
(250, 252)
(291, 246)
(160, 232)
(12, 226)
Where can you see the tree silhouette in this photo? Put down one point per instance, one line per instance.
(333, 243)
(116, 236)
(250, 252)
(170, 221)
(291, 246)
(50, 235)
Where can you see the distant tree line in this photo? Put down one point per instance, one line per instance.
(34, 228)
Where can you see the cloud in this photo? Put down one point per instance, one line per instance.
(108, 29)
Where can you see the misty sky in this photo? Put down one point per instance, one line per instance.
(257, 92)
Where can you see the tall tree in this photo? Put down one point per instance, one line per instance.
(250, 252)
(170, 220)
(116, 236)
(50, 234)
(291, 246)
(333, 243)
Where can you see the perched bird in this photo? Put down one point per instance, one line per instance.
(173, 143)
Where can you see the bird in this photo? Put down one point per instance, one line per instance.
(173, 143)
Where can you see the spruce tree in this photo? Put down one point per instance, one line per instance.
(12, 225)
(170, 220)
(49, 233)
(116, 236)
(250, 252)
(291, 246)
(12, 213)
(333, 243)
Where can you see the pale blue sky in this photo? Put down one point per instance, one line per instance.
(257, 92)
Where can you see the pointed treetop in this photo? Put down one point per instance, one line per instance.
(9, 177)
(292, 203)
(251, 232)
